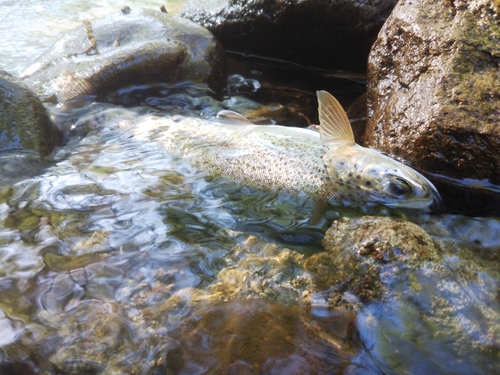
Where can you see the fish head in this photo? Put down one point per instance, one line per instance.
(366, 176)
(359, 175)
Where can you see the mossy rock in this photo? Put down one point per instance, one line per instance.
(434, 87)
(359, 249)
(24, 123)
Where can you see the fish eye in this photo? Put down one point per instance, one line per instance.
(399, 187)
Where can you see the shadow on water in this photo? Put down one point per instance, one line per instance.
(467, 197)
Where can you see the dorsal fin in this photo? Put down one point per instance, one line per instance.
(233, 117)
(334, 124)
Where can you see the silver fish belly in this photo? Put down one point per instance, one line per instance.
(328, 165)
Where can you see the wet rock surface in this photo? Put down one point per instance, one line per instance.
(326, 34)
(413, 283)
(358, 250)
(455, 302)
(129, 47)
(24, 123)
(357, 116)
(434, 87)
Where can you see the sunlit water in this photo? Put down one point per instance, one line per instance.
(117, 257)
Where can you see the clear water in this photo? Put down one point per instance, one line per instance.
(119, 258)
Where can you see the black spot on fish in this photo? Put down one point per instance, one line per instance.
(358, 177)
(368, 183)
(350, 174)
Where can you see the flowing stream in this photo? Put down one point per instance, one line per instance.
(119, 258)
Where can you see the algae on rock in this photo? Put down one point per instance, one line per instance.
(24, 123)
(434, 87)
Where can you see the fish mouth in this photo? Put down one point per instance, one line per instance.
(436, 198)
(434, 206)
(429, 198)
(429, 202)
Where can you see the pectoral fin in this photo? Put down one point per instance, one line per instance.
(334, 124)
(320, 205)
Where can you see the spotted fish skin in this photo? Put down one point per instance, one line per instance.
(267, 157)
(328, 165)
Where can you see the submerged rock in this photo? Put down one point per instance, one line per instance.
(253, 336)
(450, 312)
(434, 87)
(262, 270)
(24, 123)
(404, 283)
(327, 34)
(359, 249)
(130, 47)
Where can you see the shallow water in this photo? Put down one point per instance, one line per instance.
(118, 257)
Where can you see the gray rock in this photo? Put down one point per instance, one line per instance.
(129, 47)
(434, 87)
(322, 33)
(24, 123)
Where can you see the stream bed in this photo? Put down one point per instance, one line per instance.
(117, 257)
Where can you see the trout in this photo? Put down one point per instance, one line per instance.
(327, 165)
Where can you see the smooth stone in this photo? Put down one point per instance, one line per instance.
(134, 47)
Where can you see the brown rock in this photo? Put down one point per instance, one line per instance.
(357, 116)
(434, 87)
(253, 336)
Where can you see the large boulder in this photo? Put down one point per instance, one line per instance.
(24, 123)
(129, 47)
(434, 87)
(321, 33)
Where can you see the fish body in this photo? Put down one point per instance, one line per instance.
(326, 165)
